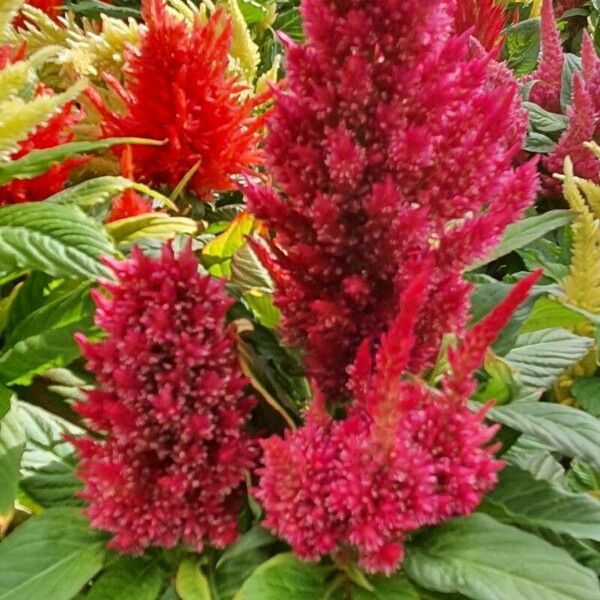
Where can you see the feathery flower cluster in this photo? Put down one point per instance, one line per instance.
(584, 111)
(51, 7)
(178, 89)
(171, 401)
(406, 455)
(485, 19)
(56, 131)
(392, 149)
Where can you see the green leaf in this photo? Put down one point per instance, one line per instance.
(289, 21)
(548, 312)
(535, 503)
(48, 465)
(571, 65)
(95, 8)
(285, 577)
(388, 588)
(522, 46)
(231, 575)
(50, 557)
(248, 273)
(586, 390)
(39, 161)
(524, 232)
(539, 357)
(253, 11)
(217, 254)
(486, 560)
(12, 444)
(582, 478)
(543, 121)
(128, 578)
(59, 240)
(5, 396)
(44, 339)
(539, 143)
(156, 225)
(257, 537)
(190, 582)
(100, 189)
(561, 428)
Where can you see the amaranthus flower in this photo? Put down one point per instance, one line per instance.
(171, 405)
(390, 147)
(178, 89)
(407, 455)
(56, 131)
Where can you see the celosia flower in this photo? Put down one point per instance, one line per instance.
(548, 75)
(391, 147)
(51, 7)
(584, 120)
(129, 203)
(406, 455)
(170, 401)
(485, 19)
(56, 131)
(178, 89)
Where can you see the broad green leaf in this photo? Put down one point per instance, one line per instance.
(5, 396)
(285, 577)
(99, 189)
(231, 575)
(544, 121)
(248, 273)
(583, 478)
(289, 21)
(524, 232)
(254, 11)
(534, 503)
(548, 312)
(59, 240)
(567, 430)
(584, 552)
(39, 161)
(48, 465)
(388, 588)
(217, 254)
(255, 538)
(586, 390)
(50, 557)
(522, 46)
(128, 578)
(539, 143)
(539, 357)
(12, 444)
(191, 583)
(44, 339)
(571, 65)
(95, 8)
(154, 225)
(486, 560)
(262, 307)
(534, 457)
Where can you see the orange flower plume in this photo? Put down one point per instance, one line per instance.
(178, 89)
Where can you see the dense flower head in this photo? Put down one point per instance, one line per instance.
(583, 110)
(548, 75)
(391, 148)
(178, 89)
(52, 8)
(406, 455)
(484, 19)
(55, 131)
(170, 404)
